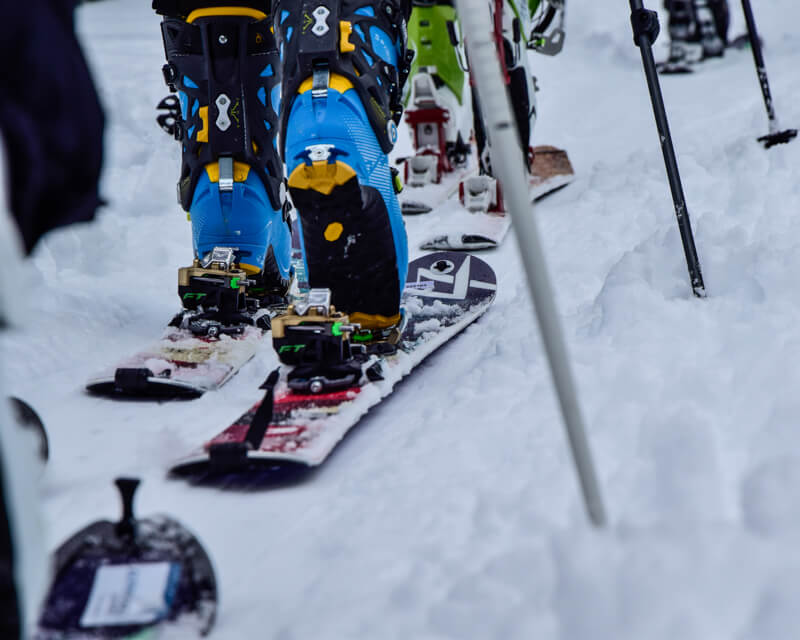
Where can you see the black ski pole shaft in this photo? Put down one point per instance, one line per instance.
(645, 31)
(775, 135)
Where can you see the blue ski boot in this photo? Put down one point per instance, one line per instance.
(223, 63)
(344, 66)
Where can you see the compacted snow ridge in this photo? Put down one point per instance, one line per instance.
(452, 511)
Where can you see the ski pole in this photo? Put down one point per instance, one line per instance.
(645, 31)
(500, 125)
(775, 135)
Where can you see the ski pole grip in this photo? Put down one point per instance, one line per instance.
(127, 489)
(644, 23)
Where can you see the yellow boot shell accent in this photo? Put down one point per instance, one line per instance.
(225, 11)
(333, 231)
(249, 269)
(240, 171)
(336, 82)
(375, 321)
(202, 135)
(345, 29)
(321, 176)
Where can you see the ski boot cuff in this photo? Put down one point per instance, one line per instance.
(323, 42)
(223, 63)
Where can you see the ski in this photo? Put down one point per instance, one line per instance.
(306, 410)
(477, 220)
(131, 578)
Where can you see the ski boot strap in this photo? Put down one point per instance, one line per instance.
(329, 44)
(224, 65)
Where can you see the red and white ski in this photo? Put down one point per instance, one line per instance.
(446, 292)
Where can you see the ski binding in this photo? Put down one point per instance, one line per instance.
(217, 331)
(318, 342)
(481, 194)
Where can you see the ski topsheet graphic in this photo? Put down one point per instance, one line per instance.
(445, 293)
(126, 579)
(478, 219)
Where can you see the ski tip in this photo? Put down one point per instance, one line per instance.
(477, 242)
(550, 166)
(541, 196)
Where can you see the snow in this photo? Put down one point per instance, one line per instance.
(453, 511)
